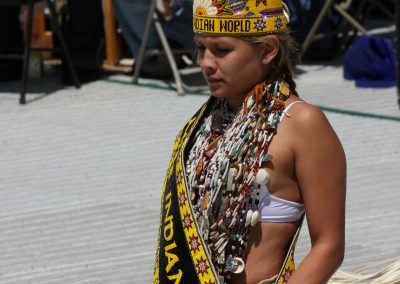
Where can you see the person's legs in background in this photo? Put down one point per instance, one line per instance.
(83, 31)
(10, 38)
(132, 17)
(179, 28)
(303, 15)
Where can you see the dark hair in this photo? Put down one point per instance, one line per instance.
(287, 56)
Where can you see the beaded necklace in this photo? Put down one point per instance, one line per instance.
(224, 172)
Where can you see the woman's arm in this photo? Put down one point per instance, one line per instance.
(320, 166)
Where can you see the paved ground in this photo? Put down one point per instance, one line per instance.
(81, 174)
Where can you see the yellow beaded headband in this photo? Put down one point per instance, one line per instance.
(239, 17)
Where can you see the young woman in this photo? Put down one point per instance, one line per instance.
(251, 162)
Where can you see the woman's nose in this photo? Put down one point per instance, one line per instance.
(207, 62)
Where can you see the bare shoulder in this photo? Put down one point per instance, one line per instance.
(306, 114)
(311, 131)
(309, 120)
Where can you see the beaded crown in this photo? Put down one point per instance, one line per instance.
(239, 17)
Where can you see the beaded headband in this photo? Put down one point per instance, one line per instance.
(239, 17)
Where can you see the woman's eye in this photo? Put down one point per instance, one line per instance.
(222, 50)
(198, 52)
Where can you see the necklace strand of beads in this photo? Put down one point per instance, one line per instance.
(224, 175)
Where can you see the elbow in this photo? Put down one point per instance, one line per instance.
(341, 255)
(336, 252)
(337, 249)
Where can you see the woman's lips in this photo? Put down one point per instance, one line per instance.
(214, 84)
(212, 80)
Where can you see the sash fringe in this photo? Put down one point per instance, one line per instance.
(390, 274)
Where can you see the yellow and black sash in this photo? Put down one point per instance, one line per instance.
(182, 255)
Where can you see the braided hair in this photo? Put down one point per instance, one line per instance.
(287, 56)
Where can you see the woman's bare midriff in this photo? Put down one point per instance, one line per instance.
(267, 247)
(268, 242)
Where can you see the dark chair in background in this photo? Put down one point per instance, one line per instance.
(27, 45)
(330, 6)
(352, 12)
(154, 18)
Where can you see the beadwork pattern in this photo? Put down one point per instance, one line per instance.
(221, 168)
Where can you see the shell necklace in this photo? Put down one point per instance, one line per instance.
(224, 172)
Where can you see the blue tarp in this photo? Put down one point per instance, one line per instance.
(371, 62)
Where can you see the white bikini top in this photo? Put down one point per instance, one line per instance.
(275, 209)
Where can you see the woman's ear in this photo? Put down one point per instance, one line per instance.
(271, 49)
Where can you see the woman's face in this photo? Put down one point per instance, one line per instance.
(231, 66)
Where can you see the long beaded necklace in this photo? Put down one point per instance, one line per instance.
(224, 172)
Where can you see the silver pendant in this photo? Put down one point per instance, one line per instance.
(234, 265)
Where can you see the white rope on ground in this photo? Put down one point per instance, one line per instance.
(390, 274)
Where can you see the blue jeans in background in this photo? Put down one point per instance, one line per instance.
(132, 16)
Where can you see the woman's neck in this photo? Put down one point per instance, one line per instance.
(235, 104)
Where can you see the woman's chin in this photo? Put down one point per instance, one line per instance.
(218, 93)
